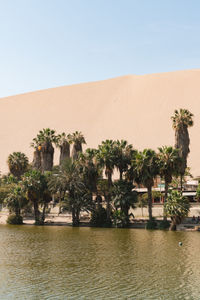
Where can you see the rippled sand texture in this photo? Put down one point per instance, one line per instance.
(86, 263)
(136, 108)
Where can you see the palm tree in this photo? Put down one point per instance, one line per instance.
(63, 144)
(169, 162)
(43, 143)
(70, 182)
(15, 200)
(36, 163)
(77, 139)
(123, 153)
(106, 158)
(145, 169)
(17, 163)
(181, 120)
(34, 184)
(124, 198)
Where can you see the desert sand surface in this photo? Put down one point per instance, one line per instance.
(135, 108)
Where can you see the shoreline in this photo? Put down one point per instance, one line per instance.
(66, 220)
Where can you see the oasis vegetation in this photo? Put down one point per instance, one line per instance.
(83, 181)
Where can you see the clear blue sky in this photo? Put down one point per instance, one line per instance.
(49, 43)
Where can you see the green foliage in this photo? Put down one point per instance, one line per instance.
(77, 138)
(123, 195)
(99, 217)
(90, 169)
(145, 167)
(164, 224)
(46, 135)
(182, 118)
(14, 219)
(106, 158)
(61, 139)
(176, 205)
(198, 192)
(34, 183)
(151, 224)
(17, 163)
(15, 199)
(169, 162)
(4, 191)
(123, 154)
(68, 182)
(119, 219)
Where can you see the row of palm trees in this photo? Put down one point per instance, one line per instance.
(79, 177)
(44, 150)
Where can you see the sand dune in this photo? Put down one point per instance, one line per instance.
(136, 108)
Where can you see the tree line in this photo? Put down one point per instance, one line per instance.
(83, 181)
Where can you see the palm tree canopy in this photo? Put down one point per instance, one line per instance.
(106, 156)
(123, 153)
(17, 163)
(182, 118)
(46, 135)
(34, 183)
(169, 162)
(77, 138)
(62, 139)
(145, 167)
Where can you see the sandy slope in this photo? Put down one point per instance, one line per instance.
(136, 108)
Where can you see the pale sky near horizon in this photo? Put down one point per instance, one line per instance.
(50, 43)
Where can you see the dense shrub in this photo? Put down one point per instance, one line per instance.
(120, 220)
(14, 220)
(151, 224)
(99, 218)
(163, 224)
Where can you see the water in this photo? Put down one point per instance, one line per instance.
(87, 263)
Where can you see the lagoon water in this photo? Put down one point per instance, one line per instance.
(90, 263)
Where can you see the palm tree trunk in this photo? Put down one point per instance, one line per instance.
(36, 160)
(173, 224)
(36, 212)
(165, 199)
(181, 177)
(120, 174)
(149, 188)
(47, 154)
(108, 198)
(43, 212)
(77, 148)
(64, 152)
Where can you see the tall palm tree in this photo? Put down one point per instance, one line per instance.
(181, 120)
(17, 163)
(123, 153)
(145, 168)
(77, 139)
(90, 169)
(106, 158)
(169, 162)
(64, 145)
(43, 143)
(36, 163)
